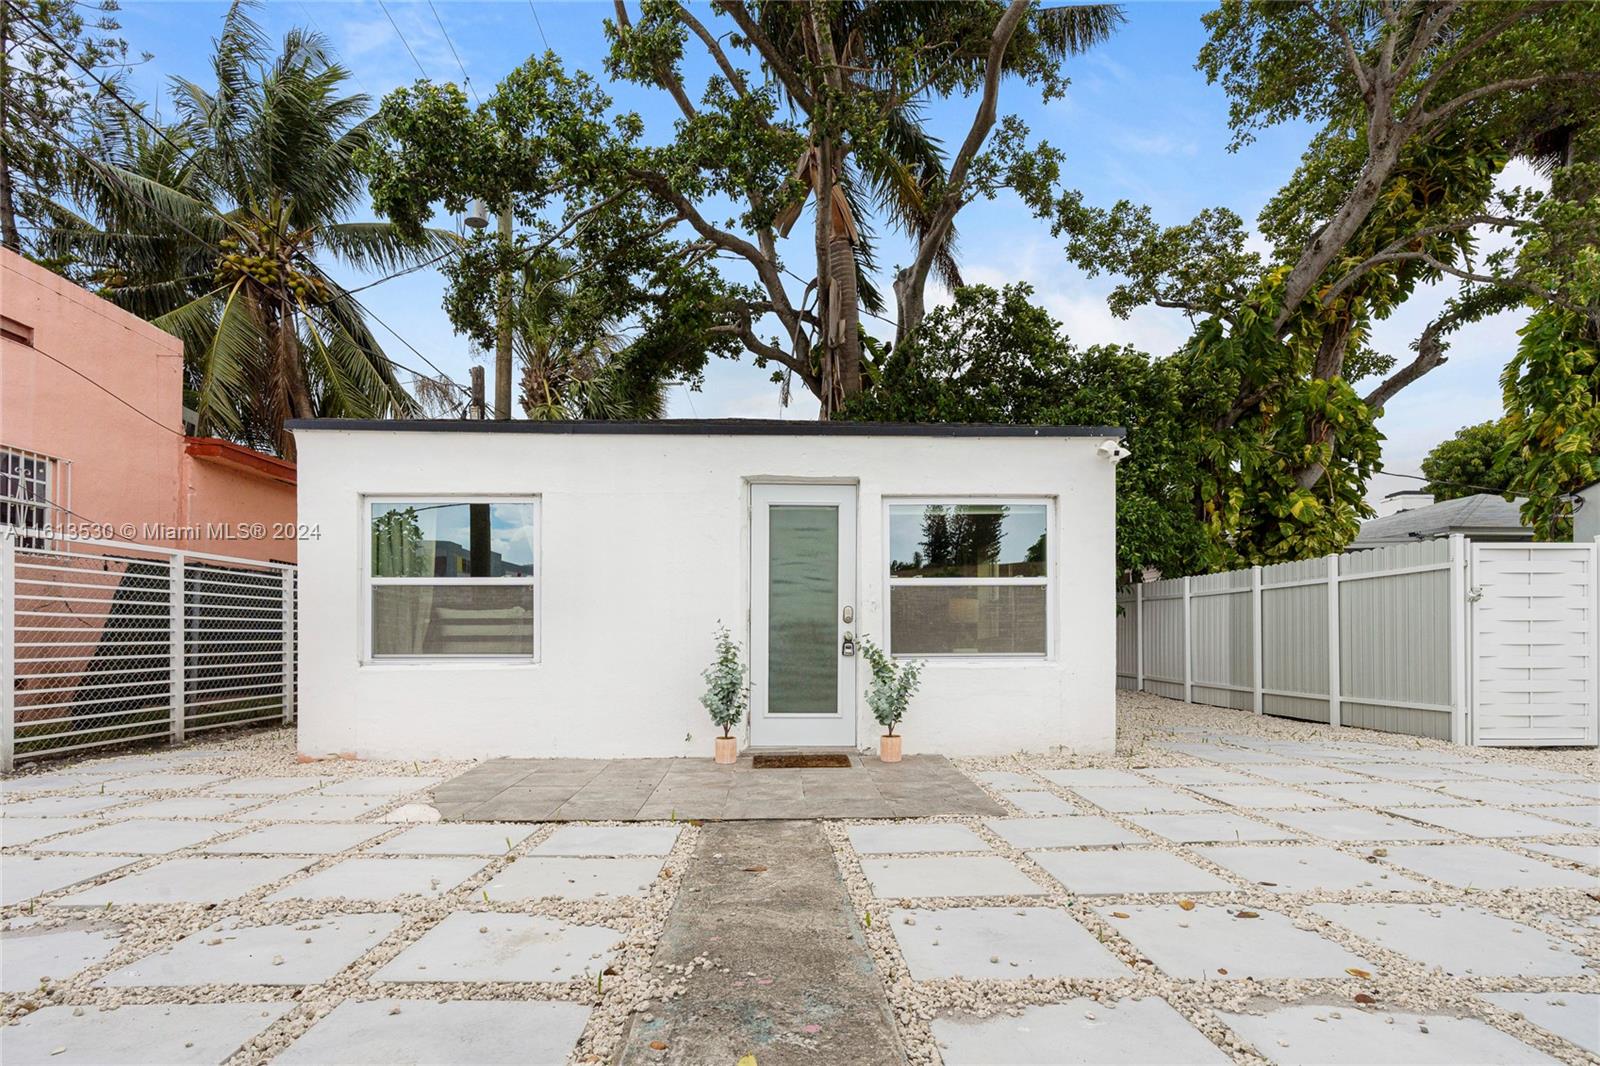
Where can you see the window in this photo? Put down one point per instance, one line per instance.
(25, 495)
(452, 578)
(969, 578)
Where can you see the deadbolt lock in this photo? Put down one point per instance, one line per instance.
(849, 614)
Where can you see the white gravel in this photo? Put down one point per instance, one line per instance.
(144, 929)
(1569, 915)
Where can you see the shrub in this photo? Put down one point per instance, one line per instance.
(892, 686)
(725, 696)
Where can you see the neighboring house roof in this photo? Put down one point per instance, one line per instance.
(736, 427)
(1484, 517)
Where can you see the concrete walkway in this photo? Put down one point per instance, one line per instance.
(647, 790)
(790, 978)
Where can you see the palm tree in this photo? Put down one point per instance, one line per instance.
(573, 370)
(216, 230)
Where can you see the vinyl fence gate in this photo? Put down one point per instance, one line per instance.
(1493, 644)
(104, 643)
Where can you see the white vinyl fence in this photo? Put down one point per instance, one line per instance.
(105, 643)
(1490, 644)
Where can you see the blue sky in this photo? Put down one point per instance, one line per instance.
(1138, 122)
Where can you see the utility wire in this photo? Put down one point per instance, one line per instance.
(402, 37)
(464, 75)
(190, 159)
(540, 25)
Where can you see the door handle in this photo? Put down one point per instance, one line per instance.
(847, 647)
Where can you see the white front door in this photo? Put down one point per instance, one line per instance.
(803, 616)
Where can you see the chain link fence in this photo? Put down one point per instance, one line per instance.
(104, 643)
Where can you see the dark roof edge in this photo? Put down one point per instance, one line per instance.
(731, 427)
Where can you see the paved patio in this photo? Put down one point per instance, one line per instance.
(1230, 889)
(647, 790)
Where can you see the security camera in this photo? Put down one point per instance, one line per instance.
(1112, 451)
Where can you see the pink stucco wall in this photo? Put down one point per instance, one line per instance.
(100, 391)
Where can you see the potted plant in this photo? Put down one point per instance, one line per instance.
(725, 696)
(888, 694)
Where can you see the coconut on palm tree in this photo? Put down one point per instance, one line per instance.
(219, 229)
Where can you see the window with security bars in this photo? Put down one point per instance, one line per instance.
(969, 578)
(25, 495)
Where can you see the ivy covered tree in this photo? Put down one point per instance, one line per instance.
(815, 106)
(1477, 459)
(1419, 106)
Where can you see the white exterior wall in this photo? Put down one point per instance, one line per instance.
(644, 546)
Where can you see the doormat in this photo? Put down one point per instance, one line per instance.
(803, 761)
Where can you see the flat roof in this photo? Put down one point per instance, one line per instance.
(726, 427)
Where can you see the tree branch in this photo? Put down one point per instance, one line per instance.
(793, 84)
(669, 81)
(733, 74)
(1391, 253)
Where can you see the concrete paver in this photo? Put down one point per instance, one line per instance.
(463, 1032)
(326, 838)
(1081, 1032)
(503, 947)
(1084, 830)
(1210, 828)
(1000, 943)
(140, 837)
(947, 875)
(22, 877)
(567, 877)
(1573, 1016)
(1309, 868)
(383, 879)
(1458, 939)
(186, 880)
(37, 955)
(299, 953)
(455, 839)
(608, 840)
(1120, 872)
(1211, 943)
(903, 838)
(149, 1035)
(1312, 1034)
(1482, 866)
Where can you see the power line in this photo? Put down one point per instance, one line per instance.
(465, 77)
(539, 24)
(402, 37)
(191, 160)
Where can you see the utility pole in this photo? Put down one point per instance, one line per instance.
(502, 347)
(475, 406)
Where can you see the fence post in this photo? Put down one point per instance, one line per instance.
(1333, 641)
(1460, 678)
(175, 645)
(1256, 629)
(289, 646)
(1138, 637)
(8, 651)
(1188, 647)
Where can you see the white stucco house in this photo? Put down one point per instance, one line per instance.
(474, 588)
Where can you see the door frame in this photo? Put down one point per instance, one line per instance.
(838, 730)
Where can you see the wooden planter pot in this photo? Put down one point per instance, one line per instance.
(889, 748)
(727, 750)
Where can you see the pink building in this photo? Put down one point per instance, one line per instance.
(92, 434)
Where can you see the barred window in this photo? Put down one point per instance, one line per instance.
(25, 495)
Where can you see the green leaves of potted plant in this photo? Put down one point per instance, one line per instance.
(888, 693)
(726, 695)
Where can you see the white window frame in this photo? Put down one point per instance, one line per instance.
(45, 484)
(1051, 556)
(369, 581)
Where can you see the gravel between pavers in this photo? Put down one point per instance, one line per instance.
(1399, 983)
(628, 984)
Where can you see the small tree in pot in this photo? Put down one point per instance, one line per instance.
(888, 694)
(725, 696)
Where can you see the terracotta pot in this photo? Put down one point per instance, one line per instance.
(889, 748)
(727, 749)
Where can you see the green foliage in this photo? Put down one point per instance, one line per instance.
(995, 356)
(218, 227)
(1474, 460)
(892, 686)
(49, 113)
(726, 695)
(677, 230)
(1552, 398)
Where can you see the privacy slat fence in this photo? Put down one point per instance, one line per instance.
(106, 643)
(1491, 644)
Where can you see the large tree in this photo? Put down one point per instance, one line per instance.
(218, 227)
(815, 105)
(1475, 460)
(57, 58)
(994, 356)
(1419, 106)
